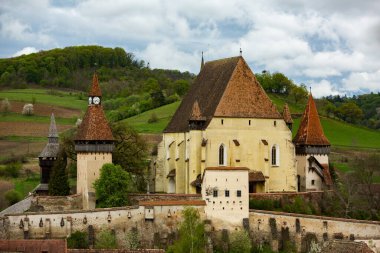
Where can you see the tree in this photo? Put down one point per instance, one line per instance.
(78, 240)
(59, 181)
(112, 186)
(240, 242)
(350, 112)
(106, 240)
(27, 109)
(299, 93)
(130, 153)
(191, 233)
(5, 106)
(12, 196)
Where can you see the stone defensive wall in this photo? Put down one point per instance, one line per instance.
(156, 222)
(136, 198)
(276, 228)
(310, 196)
(56, 203)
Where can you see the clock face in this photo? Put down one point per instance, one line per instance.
(96, 100)
(89, 100)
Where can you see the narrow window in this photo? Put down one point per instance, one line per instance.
(227, 193)
(222, 121)
(249, 122)
(215, 193)
(222, 155)
(274, 123)
(238, 193)
(312, 182)
(274, 155)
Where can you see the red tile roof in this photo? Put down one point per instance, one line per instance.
(95, 88)
(256, 176)
(286, 114)
(326, 174)
(224, 88)
(310, 131)
(94, 126)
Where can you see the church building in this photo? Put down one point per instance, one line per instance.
(94, 144)
(227, 121)
(312, 150)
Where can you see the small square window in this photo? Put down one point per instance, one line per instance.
(238, 193)
(215, 193)
(312, 182)
(274, 123)
(227, 193)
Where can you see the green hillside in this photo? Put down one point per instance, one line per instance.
(339, 133)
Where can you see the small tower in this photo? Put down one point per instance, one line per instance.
(312, 150)
(47, 157)
(287, 117)
(94, 144)
(196, 120)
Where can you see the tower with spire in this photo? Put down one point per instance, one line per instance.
(47, 157)
(94, 144)
(312, 150)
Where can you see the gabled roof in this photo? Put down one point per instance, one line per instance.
(95, 88)
(310, 131)
(286, 114)
(224, 88)
(94, 126)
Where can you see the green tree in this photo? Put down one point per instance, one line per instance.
(12, 196)
(78, 240)
(181, 87)
(299, 93)
(240, 242)
(112, 186)
(191, 233)
(59, 181)
(130, 153)
(350, 112)
(106, 240)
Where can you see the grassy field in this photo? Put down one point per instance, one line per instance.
(163, 113)
(60, 98)
(17, 117)
(279, 101)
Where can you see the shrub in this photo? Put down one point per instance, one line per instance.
(4, 187)
(5, 106)
(264, 204)
(153, 118)
(106, 240)
(78, 240)
(12, 196)
(28, 109)
(240, 242)
(11, 170)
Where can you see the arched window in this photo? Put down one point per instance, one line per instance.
(275, 155)
(222, 155)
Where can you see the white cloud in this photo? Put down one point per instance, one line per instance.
(362, 81)
(323, 88)
(25, 50)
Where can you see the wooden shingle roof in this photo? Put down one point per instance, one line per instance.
(95, 88)
(224, 88)
(310, 131)
(286, 114)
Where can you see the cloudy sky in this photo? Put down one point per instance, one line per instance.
(331, 45)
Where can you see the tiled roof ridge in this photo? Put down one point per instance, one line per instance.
(95, 88)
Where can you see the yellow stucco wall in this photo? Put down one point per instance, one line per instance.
(251, 152)
(88, 170)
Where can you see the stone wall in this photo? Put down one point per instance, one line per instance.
(56, 203)
(276, 228)
(135, 198)
(314, 195)
(156, 225)
(33, 246)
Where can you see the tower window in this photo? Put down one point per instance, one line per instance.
(249, 122)
(222, 121)
(312, 182)
(274, 123)
(215, 193)
(222, 155)
(227, 193)
(238, 193)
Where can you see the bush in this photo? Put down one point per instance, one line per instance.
(28, 110)
(299, 206)
(240, 242)
(78, 240)
(153, 118)
(106, 240)
(5, 106)
(11, 170)
(264, 204)
(12, 196)
(4, 187)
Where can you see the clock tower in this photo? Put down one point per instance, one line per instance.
(94, 144)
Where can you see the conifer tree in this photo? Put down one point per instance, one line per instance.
(59, 181)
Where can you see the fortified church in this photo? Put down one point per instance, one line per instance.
(227, 122)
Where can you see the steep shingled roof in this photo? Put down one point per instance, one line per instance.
(224, 88)
(286, 115)
(310, 131)
(95, 88)
(52, 147)
(94, 126)
(53, 127)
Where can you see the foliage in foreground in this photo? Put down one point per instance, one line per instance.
(240, 242)
(12, 196)
(59, 181)
(106, 239)
(112, 186)
(78, 240)
(11, 170)
(191, 233)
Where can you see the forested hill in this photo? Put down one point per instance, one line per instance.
(72, 67)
